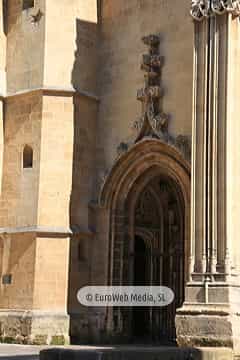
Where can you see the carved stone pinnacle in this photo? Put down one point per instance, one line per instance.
(152, 118)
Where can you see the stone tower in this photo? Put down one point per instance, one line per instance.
(47, 115)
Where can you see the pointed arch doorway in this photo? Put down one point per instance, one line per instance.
(157, 256)
(148, 196)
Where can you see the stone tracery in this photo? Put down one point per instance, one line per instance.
(201, 9)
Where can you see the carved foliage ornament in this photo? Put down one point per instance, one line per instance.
(201, 9)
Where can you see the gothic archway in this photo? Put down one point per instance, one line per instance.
(158, 221)
(151, 174)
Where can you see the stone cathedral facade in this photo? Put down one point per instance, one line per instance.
(120, 165)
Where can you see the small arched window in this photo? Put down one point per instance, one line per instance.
(27, 157)
(27, 4)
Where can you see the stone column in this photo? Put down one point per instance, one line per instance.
(209, 316)
(2, 81)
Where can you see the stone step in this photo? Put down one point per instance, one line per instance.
(136, 353)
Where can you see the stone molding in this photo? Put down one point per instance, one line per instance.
(181, 143)
(46, 231)
(52, 91)
(31, 312)
(201, 9)
(149, 151)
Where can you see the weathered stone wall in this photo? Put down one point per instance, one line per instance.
(25, 46)
(2, 80)
(48, 53)
(82, 222)
(84, 155)
(3, 32)
(51, 258)
(79, 276)
(33, 305)
(1, 141)
(55, 178)
(70, 44)
(35, 214)
(19, 261)
(20, 185)
(123, 24)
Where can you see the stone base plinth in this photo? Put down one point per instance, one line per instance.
(137, 352)
(208, 325)
(203, 329)
(210, 317)
(34, 327)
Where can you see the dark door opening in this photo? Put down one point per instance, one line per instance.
(158, 260)
(140, 314)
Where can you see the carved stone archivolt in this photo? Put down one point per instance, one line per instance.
(201, 9)
(153, 122)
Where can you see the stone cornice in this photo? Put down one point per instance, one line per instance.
(201, 9)
(52, 91)
(47, 231)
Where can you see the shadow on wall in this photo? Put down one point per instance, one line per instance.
(4, 9)
(84, 79)
(84, 73)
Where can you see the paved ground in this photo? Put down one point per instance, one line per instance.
(18, 352)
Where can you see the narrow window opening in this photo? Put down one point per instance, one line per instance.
(7, 279)
(27, 157)
(27, 4)
(81, 252)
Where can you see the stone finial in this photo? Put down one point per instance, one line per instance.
(201, 9)
(153, 120)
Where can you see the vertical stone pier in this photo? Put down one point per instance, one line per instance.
(49, 112)
(210, 314)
